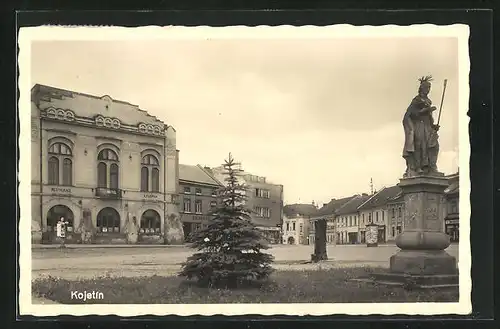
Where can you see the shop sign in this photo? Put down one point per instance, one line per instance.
(150, 196)
(451, 221)
(60, 190)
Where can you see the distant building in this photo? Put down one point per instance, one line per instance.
(375, 210)
(347, 220)
(264, 198)
(396, 213)
(327, 212)
(296, 218)
(198, 195)
(451, 220)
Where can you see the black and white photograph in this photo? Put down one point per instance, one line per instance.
(244, 170)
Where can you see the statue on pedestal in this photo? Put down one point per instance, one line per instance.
(422, 260)
(421, 145)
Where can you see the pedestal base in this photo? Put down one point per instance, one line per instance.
(318, 257)
(423, 262)
(416, 281)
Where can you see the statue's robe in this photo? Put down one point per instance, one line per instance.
(420, 135)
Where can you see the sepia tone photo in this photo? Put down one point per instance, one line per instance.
(244, 170)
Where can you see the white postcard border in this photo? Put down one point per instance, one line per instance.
(30, 34)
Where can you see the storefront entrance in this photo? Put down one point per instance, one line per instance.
(150, 222)
(108, 221)
(353, 237)
(53, 216)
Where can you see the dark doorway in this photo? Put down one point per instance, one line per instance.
(187, 228)
(291, 240)
(150, 222)
(353, 237)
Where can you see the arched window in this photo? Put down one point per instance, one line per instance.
(150, 174)
(60, 153)
(67, 172)
(108, 169)
(108, 221)
(53, 171)
(150, 222)
(102, 173)
(113, 176)
(144, 179)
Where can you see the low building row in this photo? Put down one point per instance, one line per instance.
(347, 217)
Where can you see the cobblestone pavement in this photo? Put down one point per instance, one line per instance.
(75, 262)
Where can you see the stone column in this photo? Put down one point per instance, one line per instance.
(423, 241)
(320, 252)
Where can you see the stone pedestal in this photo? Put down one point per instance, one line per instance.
(422, 261)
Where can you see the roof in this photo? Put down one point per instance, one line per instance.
(293, 210)
(196, 174)
(381, 198)
(331, 207)
(352, 205)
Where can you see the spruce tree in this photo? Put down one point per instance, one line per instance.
(229, 249)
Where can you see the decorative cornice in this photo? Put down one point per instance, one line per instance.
(60, 131)
(100, 121)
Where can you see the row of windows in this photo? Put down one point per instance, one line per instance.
(262, 193)
(292, 227)
(400, 212)
(197, 191)
(60, 169)
(263, 212)
(198, 205)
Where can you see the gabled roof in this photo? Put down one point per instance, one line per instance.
(398, 198)
(352, 205)
(293, 210)
(380, 198)
(331, 207)
(196, 174)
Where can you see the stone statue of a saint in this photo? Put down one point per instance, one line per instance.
(421, 145)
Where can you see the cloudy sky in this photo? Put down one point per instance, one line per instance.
(320, 116)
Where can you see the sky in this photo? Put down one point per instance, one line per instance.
(320, 116)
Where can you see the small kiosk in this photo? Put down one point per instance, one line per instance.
(371, 235)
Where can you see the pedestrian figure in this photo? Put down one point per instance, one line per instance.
(61, 231)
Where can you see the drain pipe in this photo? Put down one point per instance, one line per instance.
(41, 168)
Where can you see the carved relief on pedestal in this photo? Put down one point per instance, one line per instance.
(412, 211)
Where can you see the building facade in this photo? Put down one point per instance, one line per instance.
(396, 211)
(347, 221)
(197, 196)
(296, 218)
(264, 198)
(375, 211)
(451, 220)
(100, 162)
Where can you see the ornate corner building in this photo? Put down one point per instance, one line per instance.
(100, 160)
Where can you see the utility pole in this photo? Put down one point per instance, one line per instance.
(371, 186)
